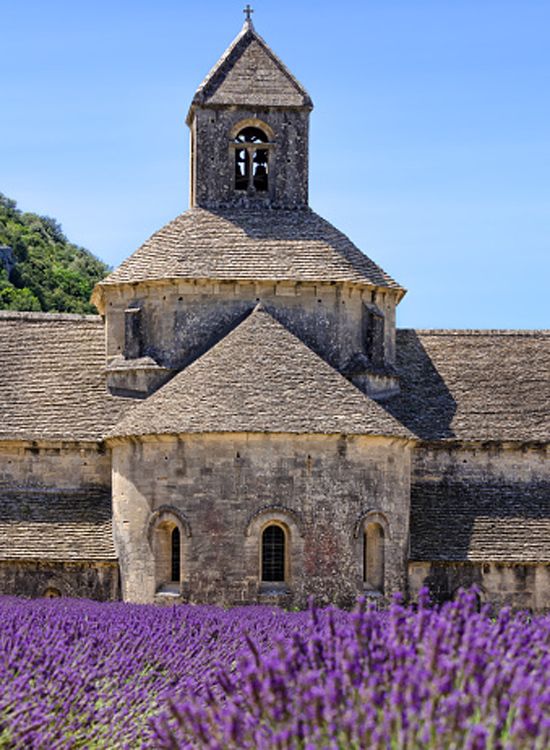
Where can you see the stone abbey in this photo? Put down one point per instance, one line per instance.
(243, 421)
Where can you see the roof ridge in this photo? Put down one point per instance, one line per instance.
(49, 316)
(479, 331)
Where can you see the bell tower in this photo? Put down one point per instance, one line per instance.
(249, 123)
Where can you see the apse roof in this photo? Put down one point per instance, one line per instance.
(259, 378)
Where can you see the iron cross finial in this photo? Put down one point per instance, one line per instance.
(248, 10)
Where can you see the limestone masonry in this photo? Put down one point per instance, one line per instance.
(243, 422)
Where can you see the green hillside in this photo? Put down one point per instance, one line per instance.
(40, 269)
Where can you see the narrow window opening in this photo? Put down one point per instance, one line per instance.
(260, 166)
(176, 556)
(373, 557)
(168, 548)
(242, 169)
(374, 336)
(273, 554)
(132, 333)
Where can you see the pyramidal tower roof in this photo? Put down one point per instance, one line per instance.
(249, 73)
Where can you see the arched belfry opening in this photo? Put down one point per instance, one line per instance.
(252, 148)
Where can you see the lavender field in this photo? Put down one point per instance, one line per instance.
(76, 674)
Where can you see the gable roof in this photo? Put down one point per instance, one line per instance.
(259, 378)
(249, 244)
(52, 384)
(37, 523)
(489, 520)
(249, 73)
(474, 385)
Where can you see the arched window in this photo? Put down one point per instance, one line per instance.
(251, 160)
(274, 548)
(51, 593)
(373, 557)
(274, 554)
(176, 555)
(167, 549)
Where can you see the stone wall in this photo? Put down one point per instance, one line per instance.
(481, 462)
(32, 578)
(55, 501)
(481, 515)
(222, 489)
(54, 464)
(500, 584)
(213, 159)
(180, 320)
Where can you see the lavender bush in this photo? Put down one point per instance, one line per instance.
(77, 674)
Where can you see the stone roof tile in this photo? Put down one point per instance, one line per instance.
(250, 244)
(474, 385)
(249, 73)
(480, 521)
(259, 378)
(61, 525)
(52, 385)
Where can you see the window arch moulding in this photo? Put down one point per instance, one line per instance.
(251, 122)
(276, 512)
(165, 513)
(371, 516)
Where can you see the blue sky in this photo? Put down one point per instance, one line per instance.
(430, 137)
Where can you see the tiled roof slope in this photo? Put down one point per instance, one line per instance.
(480, 521)
(56, 525)
(261, 244)
(51, 378)
(249, 73)
(474, 385)
(259, 378)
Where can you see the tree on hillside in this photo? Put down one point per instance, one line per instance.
(46, 272)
